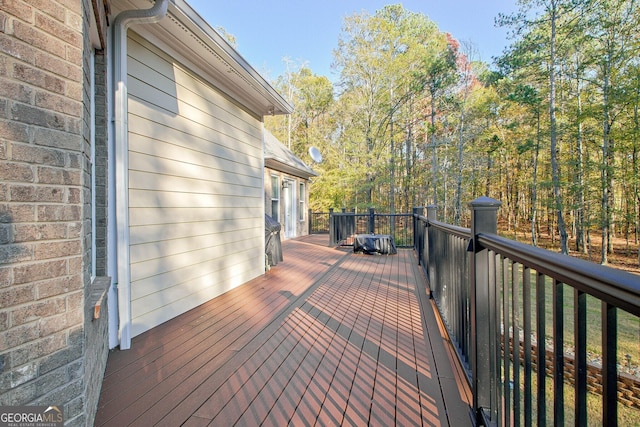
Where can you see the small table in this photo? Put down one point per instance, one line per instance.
(374, 243)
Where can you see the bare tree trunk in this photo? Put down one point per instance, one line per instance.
(636, 179)
(580, 220)
(534, 186)
(434, 158)
(410, 188)
(487, 189)
(555, 169)
(392, 166)
(458, 201)
(606, 172)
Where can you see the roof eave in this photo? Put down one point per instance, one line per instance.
(192, 39)
(277, 165)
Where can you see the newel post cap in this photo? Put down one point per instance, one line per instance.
(485, 203)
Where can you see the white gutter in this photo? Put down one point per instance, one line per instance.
(121, 150)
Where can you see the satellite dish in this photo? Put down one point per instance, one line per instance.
(315, 154)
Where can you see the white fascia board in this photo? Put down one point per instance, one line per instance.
(192, 40)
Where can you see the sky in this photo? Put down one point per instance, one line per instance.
(271, 33)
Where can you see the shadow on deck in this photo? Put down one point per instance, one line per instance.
(327, 337)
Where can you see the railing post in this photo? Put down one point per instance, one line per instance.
(332, 229)
(483, 220)
(310, 221)
(432, 211)
(418, 241)
(372, 221)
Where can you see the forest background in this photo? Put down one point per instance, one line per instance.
(551, 128)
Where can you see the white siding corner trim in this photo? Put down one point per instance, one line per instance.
(121, 23)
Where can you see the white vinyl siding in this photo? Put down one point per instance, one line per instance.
(196, 209)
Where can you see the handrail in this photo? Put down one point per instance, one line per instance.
(461, 232)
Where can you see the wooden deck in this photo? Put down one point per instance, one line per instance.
(326, 338)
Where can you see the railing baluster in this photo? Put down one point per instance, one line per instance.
(609, 365)
(515, 315)
(434, 258)
(541, 340)
(452, 285)
(456, 285)
(494, 307)
(462, 249)
(437, 259)
(526, 314)
(499, 336)
(580, 357)
(506, 338)
(558, 353)
(453, 305)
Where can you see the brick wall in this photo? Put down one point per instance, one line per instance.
(96, 323)
(48, 337)
(96, 346)
(101, 142)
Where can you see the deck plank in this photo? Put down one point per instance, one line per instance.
(327, 337)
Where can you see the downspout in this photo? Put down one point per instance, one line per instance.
(121, 151)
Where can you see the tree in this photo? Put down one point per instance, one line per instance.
(383, 61)
(543, 24)
(436, 75)
(553, 132)
(613, 27)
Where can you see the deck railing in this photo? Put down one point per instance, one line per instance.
(319, 222)
(511, 309)
(344, 225)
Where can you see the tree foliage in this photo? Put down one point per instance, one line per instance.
(551, 128)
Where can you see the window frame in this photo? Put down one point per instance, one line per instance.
(302, 196)
(275, 197)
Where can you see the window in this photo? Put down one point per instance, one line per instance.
(275, 198)
(301, 203)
